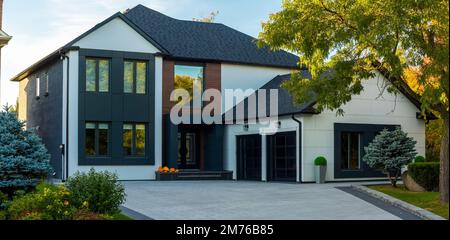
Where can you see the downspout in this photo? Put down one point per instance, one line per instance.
(66, 145)
(299, 145)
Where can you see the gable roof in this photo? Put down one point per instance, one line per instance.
(206, 41)
(286, 105)
(4, 38)
(188, 40)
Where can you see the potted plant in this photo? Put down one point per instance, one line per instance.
(321, 169)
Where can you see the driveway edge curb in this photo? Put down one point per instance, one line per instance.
(422, 213)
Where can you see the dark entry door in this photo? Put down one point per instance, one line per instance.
(249, 157)
(188, 149)
(282, 157)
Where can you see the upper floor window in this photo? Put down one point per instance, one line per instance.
(97, 75)
(135, 77)
(97, 138)
(189, 78)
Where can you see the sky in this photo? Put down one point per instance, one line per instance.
(39, 27)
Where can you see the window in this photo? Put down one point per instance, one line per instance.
(135, 77)
(97, 139)
(38, 87)
(134, 140)
(189, 78)
(97, 75)
(350, 151)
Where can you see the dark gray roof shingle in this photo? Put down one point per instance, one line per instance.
(286, 105)
(206, 41)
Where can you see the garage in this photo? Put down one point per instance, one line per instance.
(249, 157)
(282, 157)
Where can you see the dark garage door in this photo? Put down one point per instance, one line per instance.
(249, 157)
(282, 157)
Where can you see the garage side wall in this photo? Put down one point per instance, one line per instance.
(367, 108)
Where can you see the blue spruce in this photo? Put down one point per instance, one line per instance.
(389, 152)
(24, 160)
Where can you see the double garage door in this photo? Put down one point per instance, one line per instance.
(281, 157)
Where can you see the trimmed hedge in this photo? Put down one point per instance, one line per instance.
(320, 161)
(419, 159)
(426, 174)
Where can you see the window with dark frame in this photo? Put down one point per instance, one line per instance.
(135, 77)
(97, 75)
(350, 151)
(97, 139)
(134, 139)
(46, 84)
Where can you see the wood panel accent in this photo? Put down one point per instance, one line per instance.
(168, 84)
(212, 80)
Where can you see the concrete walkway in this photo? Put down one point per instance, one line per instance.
(229, 200)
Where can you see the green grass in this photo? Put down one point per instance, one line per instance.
(426, 200)
(121, 217)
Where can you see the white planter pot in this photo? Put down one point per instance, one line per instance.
(321, 172)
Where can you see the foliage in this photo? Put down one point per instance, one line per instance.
(101, 191)
(320, 161)
(354, 38)
(48, 202)
(426, 174)
(419, 159)
(390, 151)
(434, 131)
(3, 201)
(24, 160)
(210, 19)
(426, 200)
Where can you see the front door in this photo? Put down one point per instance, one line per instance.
(188, 149)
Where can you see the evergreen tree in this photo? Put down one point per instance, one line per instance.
(24, 160)
(389, 152)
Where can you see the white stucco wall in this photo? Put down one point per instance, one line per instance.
(118, 36)
(318, 130)
(247, 77)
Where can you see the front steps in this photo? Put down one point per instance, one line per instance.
(195, 175)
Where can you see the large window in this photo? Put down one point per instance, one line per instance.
(350, 151)
(134, 139)
(97, 139)
(189, 78)
(135, 77)
(97, 75)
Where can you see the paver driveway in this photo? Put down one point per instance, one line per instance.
(229, 200)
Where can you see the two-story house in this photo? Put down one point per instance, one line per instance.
(103, 101)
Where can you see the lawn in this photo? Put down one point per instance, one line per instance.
(426, 200)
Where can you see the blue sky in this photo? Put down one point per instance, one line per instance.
(39, 27)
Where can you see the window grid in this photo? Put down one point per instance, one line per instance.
(98, 75)
(97, 139)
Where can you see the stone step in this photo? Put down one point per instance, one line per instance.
(195, 175)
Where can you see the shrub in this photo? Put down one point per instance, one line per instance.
(425, 174)
(101, 191)
(24, 160)
(419, 159)
(320, 161)
(48, 202)
(389, 152)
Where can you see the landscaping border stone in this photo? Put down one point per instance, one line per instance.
(422, 213)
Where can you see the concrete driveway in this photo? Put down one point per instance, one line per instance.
(229, 200)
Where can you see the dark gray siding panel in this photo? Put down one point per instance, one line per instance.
(368, 133)
(116, 108)
(45, 113)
